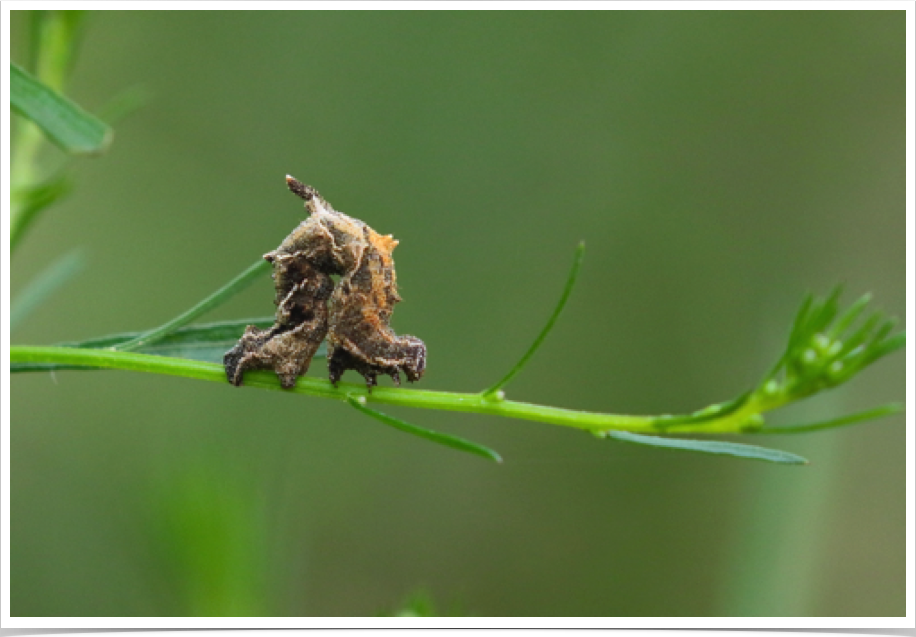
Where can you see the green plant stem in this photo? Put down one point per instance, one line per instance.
(733, 422)
(22, 170)
(54, 36)
(219, 297)
(57, 33)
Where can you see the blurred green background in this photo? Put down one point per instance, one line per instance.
(718, 165)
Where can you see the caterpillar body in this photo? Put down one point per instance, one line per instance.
(353, 315)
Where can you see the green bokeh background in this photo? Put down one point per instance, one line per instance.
(717, 164)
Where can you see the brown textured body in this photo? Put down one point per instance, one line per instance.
(354, 314)
(302, 323)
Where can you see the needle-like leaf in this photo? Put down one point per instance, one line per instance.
(443, 439)
(216, 299)
(570, 284)
(65, 123)
(849, 316)
(206, 342)
(45, 284)
(711, 446)
(870, 414)
(32, 200)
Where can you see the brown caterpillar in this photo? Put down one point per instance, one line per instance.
(353, 315)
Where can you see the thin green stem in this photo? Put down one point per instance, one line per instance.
(22, 169)
(54, 38)
(734, 422)
(570, 284)
(223, 294)
(58, 34)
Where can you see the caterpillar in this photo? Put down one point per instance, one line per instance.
(353, 315)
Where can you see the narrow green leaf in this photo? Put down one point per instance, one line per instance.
(884, 330)
(216, 299)
(45, 284)
(28, 202)
(201, 332)
(65, 123)
(797, 336)
(711, 446)
(801, 318)
(871, 414)
(124, 104)
(570, 284)
(443, 439)
(849, 316)
(882, 349)
(206, 342)
(861, 335)
(819, 320)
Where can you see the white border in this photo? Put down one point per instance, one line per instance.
(5, 443)
(910, 314)
(474, 5)
(83, 622)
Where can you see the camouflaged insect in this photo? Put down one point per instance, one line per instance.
(353, 315)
